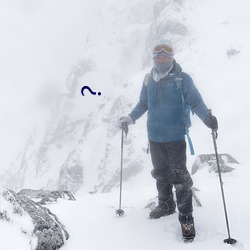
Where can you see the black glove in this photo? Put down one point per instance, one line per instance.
(211, 122)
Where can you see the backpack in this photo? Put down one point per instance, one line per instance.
(186, 108)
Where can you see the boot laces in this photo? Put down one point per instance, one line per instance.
(188, 227)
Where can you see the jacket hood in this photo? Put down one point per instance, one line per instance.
(176, 68)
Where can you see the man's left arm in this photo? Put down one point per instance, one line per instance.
(194, 99)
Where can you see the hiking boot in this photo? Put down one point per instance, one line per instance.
(160, 211)
(188, 231)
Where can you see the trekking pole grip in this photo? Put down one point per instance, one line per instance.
(214, 132)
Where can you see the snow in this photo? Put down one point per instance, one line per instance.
(37, 63)
(94, 224)
(12, 238)
(10, 230)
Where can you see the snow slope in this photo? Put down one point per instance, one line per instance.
(94, 225)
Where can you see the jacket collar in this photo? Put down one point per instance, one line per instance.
(175, 71)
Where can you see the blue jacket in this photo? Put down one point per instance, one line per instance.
(163, 102)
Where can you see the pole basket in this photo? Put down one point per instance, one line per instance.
(230, 241)
(120, 212)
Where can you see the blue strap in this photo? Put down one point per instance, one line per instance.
(191, 147)
(178, 81)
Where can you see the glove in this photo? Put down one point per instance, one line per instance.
(124, 119)
(211, 122)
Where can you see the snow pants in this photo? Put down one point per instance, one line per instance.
(169, 162)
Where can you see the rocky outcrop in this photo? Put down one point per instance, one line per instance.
(44, 230)
(209, 161)
(43, 197)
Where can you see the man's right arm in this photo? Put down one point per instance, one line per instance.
(142, 105)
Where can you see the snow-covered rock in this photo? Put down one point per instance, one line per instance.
(42, 228)
(43, 197)
(209, 161)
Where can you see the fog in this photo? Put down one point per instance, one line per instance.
(40, 42)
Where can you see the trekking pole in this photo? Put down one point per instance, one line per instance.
(229, 240)
(119, 211)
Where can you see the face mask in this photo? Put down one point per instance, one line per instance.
(163, 67)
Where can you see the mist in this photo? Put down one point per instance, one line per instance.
(40, 42)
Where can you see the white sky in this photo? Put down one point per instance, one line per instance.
(40, 42)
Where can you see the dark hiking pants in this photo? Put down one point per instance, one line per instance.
(169, 162)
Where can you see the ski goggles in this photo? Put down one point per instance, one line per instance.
(163, 50)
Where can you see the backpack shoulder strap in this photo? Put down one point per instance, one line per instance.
(179, 81)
